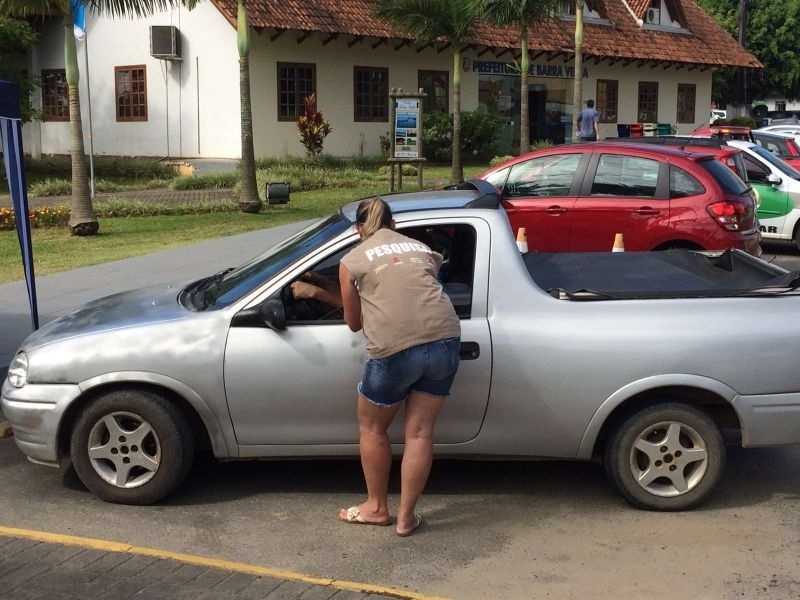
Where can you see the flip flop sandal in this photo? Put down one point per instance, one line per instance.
(413, 529)
(353, 516)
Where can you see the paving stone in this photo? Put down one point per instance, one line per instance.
(108, 562)
(159, 590)
(159, 569)
(59, 554)
(260, 588)
(18, 545)
(84, 559)
(350, 595)
(183, 574)
(123, 589)
(22, 575)
(209, 578)
(318, 592)
(234, 583)
(288, 590)
(133, 565)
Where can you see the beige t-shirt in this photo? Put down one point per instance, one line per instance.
(402, 303)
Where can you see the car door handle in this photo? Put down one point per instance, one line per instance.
(469, 351)
(555, 210)
(647, 211)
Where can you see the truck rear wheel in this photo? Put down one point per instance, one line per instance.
(666, 457)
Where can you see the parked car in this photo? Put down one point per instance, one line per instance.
(782, 145)
(725, 132)
(778, 187)
(624, 357)
(788, 128)
(575, 198)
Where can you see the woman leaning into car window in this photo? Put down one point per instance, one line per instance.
(389, 288)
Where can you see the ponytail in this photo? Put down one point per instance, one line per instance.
(373, 214)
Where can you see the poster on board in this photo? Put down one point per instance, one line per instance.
(406, 128)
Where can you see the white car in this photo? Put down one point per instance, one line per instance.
(778, 186)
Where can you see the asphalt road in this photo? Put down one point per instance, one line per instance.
(492, 529)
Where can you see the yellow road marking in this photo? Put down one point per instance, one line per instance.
(95, 544)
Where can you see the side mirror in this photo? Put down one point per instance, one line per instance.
(271, 314)
(774, 179)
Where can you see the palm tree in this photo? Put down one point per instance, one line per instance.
(577, 89)
(429, 21)
(83, 220)
(249, 201)
(520, 13)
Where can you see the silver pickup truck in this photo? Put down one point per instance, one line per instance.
(649, 362)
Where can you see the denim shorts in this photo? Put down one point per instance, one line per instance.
(428, 368)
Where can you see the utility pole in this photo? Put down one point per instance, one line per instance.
(742, 78)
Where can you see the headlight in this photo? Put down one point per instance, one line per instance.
(18, 370)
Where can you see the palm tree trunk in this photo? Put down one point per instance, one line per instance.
(577, 91)
(524, 65)
(457, 171)
(82, 220)
(249, 201)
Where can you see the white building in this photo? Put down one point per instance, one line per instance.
(178, 96)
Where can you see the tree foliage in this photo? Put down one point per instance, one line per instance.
(16, 36)
(772, 37)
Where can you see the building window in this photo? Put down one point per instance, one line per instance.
(371, 94)
(295, 82)
(55, 95)
(437, 85)
(687, 93)
(607, 100)
(648, 102)
(780, 105)
(592, 9)
(131, 88)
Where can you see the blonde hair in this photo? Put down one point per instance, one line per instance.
(373, 214)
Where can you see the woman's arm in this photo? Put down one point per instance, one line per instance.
(351, 301)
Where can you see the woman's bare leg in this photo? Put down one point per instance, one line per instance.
(376, 457)
(420, 420)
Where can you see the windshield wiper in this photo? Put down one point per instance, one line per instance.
(202, 295)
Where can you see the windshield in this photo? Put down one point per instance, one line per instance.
(776, 162)
(234, 284)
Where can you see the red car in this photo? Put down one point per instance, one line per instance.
(782, 145)
(576, 197)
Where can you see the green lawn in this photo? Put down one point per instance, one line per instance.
(55, 250)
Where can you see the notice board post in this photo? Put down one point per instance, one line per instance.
(406, 144)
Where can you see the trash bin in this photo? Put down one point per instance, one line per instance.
(623, 130)
(649, 129)
(664, 129)
(636, 129)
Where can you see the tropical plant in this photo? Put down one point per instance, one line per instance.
(313, 127)
(521, 14)
(429, 21)
(249, 201)
(577, 89)
(16, 37)
(83, 220)
(479, 133)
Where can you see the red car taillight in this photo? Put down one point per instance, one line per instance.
(731, 215)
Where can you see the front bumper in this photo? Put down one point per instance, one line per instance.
(35, 412)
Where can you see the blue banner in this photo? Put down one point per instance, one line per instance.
(11, 132)
(79, 18)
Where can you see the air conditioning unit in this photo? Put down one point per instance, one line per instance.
(652, 16)
(165, 42)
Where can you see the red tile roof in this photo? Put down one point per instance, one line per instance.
(707, 44)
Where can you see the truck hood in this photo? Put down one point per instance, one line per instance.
(148, 305)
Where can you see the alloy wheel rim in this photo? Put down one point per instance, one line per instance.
(124, 450)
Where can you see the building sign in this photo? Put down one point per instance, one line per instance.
(406, 127)
(495, 67)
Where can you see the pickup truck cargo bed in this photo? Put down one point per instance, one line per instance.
(669, 274)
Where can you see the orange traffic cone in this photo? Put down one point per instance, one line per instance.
(522, 240)
(619, 244)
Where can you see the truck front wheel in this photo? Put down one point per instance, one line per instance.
(131, 447)
(666, 457)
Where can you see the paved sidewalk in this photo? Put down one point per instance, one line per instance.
(85, 569)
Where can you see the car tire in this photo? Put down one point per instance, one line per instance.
(666, 457)
(131, 447)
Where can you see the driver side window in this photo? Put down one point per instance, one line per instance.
(456, 243)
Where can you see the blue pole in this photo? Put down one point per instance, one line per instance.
(11, 131)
